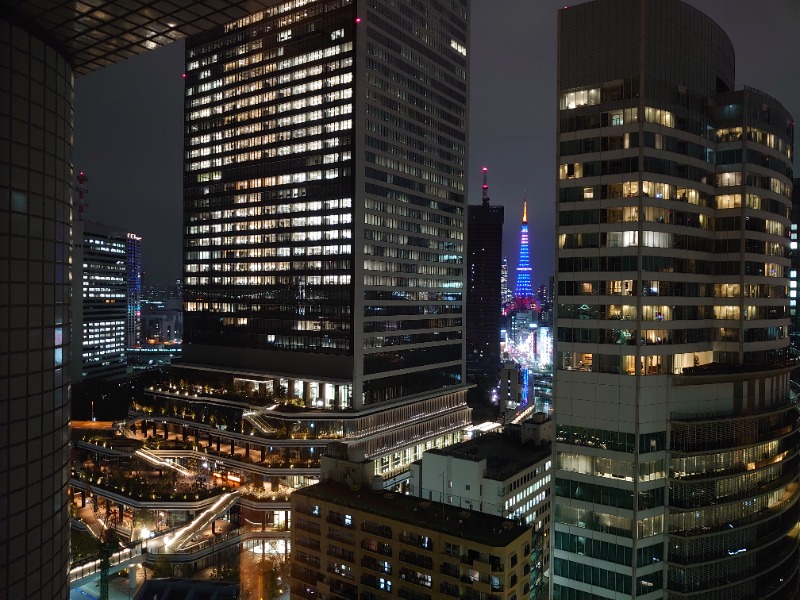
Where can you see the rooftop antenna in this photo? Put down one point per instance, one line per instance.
(485, 187)
(83, 191)
(525, 206)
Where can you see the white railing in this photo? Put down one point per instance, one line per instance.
(131, 554)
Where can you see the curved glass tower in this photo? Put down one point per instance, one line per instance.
(43, 46)
(677, 432)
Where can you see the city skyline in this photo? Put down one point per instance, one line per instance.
(512, 123)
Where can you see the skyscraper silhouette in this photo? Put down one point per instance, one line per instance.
(484, 262)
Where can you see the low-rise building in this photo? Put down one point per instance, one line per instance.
(351, 541)
(505, 474)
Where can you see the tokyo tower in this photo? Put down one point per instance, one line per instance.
(523, 289)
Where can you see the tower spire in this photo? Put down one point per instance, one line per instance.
(525, 208)
(485, 187)
(524, 289)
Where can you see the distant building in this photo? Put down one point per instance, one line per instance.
(162, 291)
(350, 541)
(513, 384)
(505, 474)
(162, 334)
(99, 300)
(484, 262)
(134, 266)
(506, 295)
(794, 268)
(522, 324)
(162, 322)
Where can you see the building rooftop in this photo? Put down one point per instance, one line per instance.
(505, 455)
(489, 530)
(187, 589)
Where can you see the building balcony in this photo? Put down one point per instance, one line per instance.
(450, 570)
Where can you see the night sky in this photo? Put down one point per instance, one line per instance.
(129, 134)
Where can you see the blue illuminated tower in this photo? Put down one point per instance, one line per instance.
(524, 289)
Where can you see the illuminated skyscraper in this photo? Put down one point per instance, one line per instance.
(524, 289)
(505, 292)
(325, 214)
(100, 306)
(677, 431)
(134, 274)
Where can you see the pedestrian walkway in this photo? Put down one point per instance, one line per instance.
(118, 587)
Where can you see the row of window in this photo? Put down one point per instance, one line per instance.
(258, 280)
(582, 241)
(600, 550)
(664, 264)
(420, 84)
(610, 580)
(633, 189)
(632, 337)
(681, 289)
(663, 312)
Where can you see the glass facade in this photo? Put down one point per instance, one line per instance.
(324, 193)
(269, 182)
(134, 274)
(673, 218)
(102, 266)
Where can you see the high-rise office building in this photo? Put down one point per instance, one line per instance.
(325, 216)
(99, 301)
(484, 261)
(677, 435)
(134, 275)
(794, 267)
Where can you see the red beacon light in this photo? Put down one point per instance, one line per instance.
(358, 20)
(184, 75)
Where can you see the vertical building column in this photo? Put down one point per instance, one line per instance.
(307, 393)
(322, 395)
(36, 122)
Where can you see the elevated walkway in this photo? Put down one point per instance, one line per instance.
(184, 535)
(257, 421)
(150, 457)
(84, 572)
